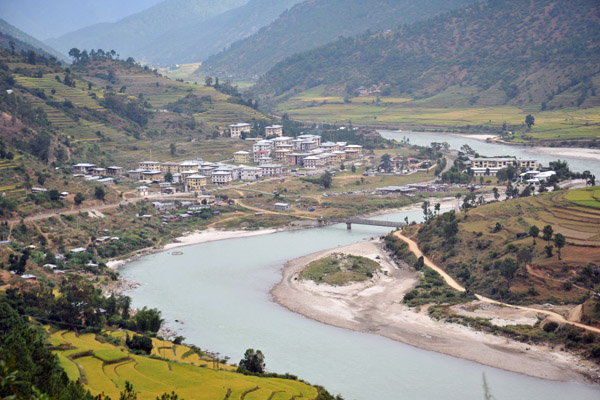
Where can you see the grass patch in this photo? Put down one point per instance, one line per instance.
(340, 269)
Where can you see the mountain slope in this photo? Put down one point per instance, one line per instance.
(45, 19)
(530, 50)
(27, 42)
(195, 42)
(316, 22)
(130, 35)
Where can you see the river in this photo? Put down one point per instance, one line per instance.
(220, 290)
(590, 163)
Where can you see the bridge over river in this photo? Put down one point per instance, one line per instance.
(362, 221)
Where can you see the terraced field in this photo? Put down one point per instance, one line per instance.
(585, 197)
(316, 105)
(104, 368)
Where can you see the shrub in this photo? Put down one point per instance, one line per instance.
(139, 342)
(550, 326)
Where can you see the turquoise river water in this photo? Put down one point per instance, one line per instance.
(220, 290)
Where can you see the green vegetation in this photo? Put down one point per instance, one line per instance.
(105, 368)
(340, 269)
(589, 197)
(490, 250)
(415, 60)
(310, 24)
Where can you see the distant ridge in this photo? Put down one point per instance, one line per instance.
(515, 52)
(130, 36)
(27, 42)
(317, 22)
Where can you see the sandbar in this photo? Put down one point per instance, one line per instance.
(375, 307)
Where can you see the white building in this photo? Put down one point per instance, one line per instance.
(274, 130)
(272, 170)
(221, 177)
(237, 129)
(250, 173)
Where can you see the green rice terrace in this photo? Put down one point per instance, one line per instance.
(104, 368)
(340, 269)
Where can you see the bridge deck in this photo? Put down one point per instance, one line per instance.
(365, 221)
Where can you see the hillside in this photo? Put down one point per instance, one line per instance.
(511, 52)
(197, 41)
(25, 42)
(314, 23)
(131, 35)
(104, 111)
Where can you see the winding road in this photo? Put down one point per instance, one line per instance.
(412, 245)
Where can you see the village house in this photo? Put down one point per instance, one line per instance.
(151, 176)
(282, 141)
(185, 174)
(82, 168)
(527, 164)
(115, 171)
(170, 167)
(149, 165)
(295, 158)
(265, 160)
(98, 171)
(142, 191)
(106, 181)
(221, 177)
(237, 129)
(135, 174)
(272, 170)
(282, 207)
(313, 162)
(241, 157)
(274, 130)
(250, 173)
(196, 182)
(312, 138)
(281, 154)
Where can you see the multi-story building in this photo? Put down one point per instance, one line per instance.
(250, 173)
(170, 166)
(314, 138)
(241, 157)
(280, 154)
(115, 171)
(151, 176)
(149, 165)
(196, 182)
(261, 149)
(295, 158)
(274, 130)
(527, 164)
(221, 177)
(497, 162)
(237, 129)
(82, 168)
(282, 141)
(185, 174)
(98, 171)
(313, 162)
(272, 170)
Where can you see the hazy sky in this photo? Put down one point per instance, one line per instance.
(44, 19)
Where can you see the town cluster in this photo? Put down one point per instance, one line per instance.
(271, 159)
(483, 166)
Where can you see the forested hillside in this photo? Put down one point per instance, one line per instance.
(131, 35)
(516, 52)
(314, 23)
